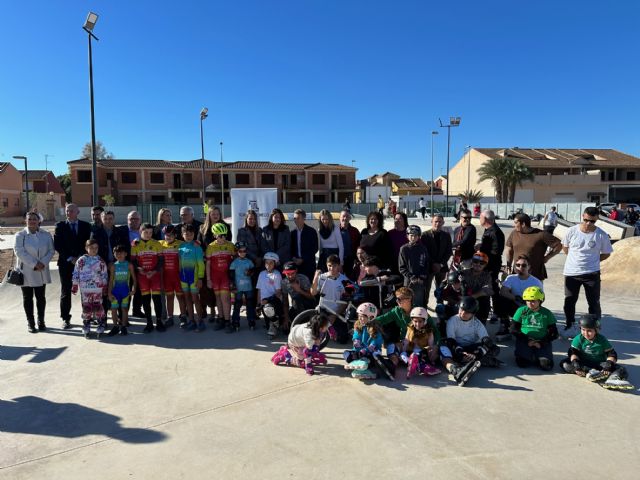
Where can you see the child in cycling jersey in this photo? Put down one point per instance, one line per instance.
(191, 275)
(219, 256)
(302, 349)
(171, 272)
(146, 256)
(120, 272)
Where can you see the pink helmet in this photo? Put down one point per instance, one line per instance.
(368, 309)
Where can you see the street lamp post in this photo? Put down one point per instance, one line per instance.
(203, 114)
(221, 182)
(88, 26)
(433, 134)
(26, 177)
(453, 122)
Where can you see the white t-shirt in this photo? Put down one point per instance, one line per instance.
(332, 290)
(421, 203)
(466, 333)
(552, 219)
(518, 286)
(269, 283)
(300, 336)
(584, 250)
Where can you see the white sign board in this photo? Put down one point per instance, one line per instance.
(261, 200)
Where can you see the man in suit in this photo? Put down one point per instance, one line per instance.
(69, 241)
(128, 233)
(304, 245)
(96, 217)
(438, 243)
(187, 218)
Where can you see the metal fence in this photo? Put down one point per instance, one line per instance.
(569, 211)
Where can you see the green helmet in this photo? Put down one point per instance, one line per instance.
(219, 229)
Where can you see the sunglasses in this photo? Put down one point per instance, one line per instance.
(522, 265)
(466, 218)
(588, 220)
(477, 262)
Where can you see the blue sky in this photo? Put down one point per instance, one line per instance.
(318, 81)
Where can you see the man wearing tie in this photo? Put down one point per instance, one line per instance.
(69, 241)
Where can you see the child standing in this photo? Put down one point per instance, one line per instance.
(534, 328)
(242, 268)
(146, 256)
(419, 349)
(120, 272)
(302, 345)
(269, 288)
(90, 275)
(171, 271)
(219, 256)
(191, 275)
(592, 356)
(331, 285)
(413, 265)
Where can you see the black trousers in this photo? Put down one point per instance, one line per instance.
(591, 284)
(65, 270)
(27, 301)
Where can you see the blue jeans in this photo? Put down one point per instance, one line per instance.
(250, 301)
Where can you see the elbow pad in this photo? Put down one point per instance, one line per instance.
(613, 354)
(574, 351)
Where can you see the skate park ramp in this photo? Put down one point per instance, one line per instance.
(621, 271)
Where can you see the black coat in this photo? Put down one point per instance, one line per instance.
(100, 235)
(283, 248)
(441, 251)
(123, 232)
(69, 244)
(467, 243)
(492, 243)
(308, 249)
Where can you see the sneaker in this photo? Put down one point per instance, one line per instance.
(363, 374)
(86, 330)
(614, 382)
(148, 328)
(570, 331)
(596, 375)
(252, 324)
(429, 369)
(183, 320)
(114, 331)
(273, 329)
(201, 326)
(123, 331)
(41, 326)
(361, 364)
(412, 366)
(160, 326)
(66, 324)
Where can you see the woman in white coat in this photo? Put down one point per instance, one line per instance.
(34, 250)
(330, 239)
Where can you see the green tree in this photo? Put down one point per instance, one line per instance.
(65, 183)
(101, 151)
(516, 173)
(505, 174)
(493, 170)
(471, 196)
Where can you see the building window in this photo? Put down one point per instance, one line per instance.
(317, 179)
(129, 199)
(157, 198)
(243, 179)
(215, 178)
(342, 179)
(611, 178)
(293, 179)
(631, 175)
(188, 178)
(129, 177)
(268, 179)
(110, 176)
(5, 202)
(319, 198)
(156, 178)
(602, 176)
(84, 176)
(16, 202)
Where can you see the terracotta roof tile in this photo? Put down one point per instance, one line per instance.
(239, 165)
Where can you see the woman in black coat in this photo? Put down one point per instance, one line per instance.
(277, 236)
(375, 240)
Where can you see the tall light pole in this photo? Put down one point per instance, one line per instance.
(46, 167)
(453, 122)
(26, 176)
(221, 182)
(203, 114)
(88, 26)
(433, 134)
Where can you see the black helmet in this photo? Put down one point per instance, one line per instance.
(469, 304)
(589, 320)
(240, 245)
(453, 277)
(414, 230)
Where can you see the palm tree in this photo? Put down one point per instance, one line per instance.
(494, 170)
(515, 173)
(471, 196)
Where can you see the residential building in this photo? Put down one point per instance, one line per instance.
(561, 175)
(131, 182)
(10, 191)
(409, 186)
(45, 192)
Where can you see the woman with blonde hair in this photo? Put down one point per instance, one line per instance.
(163, 219)
(330, 239)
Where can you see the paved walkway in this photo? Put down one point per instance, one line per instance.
(187, 405)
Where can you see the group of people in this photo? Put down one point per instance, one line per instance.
(274, 269)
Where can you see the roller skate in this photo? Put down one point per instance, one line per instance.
(463, 373)
(365, 374)
(595, 375)
(615, 382)
(361, 364)
(281, 356)
(317, 358)
(385, 365)
(412, 365)
(99, 330)
(430, 370)
(308, 367)
(86, 330)
(333, 334)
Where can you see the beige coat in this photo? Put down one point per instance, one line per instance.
(30, 249)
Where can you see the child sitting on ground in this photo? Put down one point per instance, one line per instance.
(120, 272)
(592, 356)
(394, 325)
(302, 345)
(90, 275)
(467, 345)
(419, 349)
(534, 328)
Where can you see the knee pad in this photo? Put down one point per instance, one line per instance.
(391, 349)
(492, 348)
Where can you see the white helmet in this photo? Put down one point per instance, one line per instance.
(420, 312)
(368, 309)
(272, 256)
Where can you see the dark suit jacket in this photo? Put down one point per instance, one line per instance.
(123, 233)
(69, 244)
(438, 253)
(102, 238)
(308, 248)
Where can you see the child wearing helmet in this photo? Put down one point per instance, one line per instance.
(419, 349)
(592, 356)
(534, 328)
(302, 349)
(413, 265)
(479, 284)
(448, 296)
(219, 255)
(269, 288)
(367, 342)
(242, 269)
(467, 346)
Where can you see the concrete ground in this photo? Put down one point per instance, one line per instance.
(210, 405)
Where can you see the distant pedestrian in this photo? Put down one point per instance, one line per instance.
(422, 207)
(550, 220)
